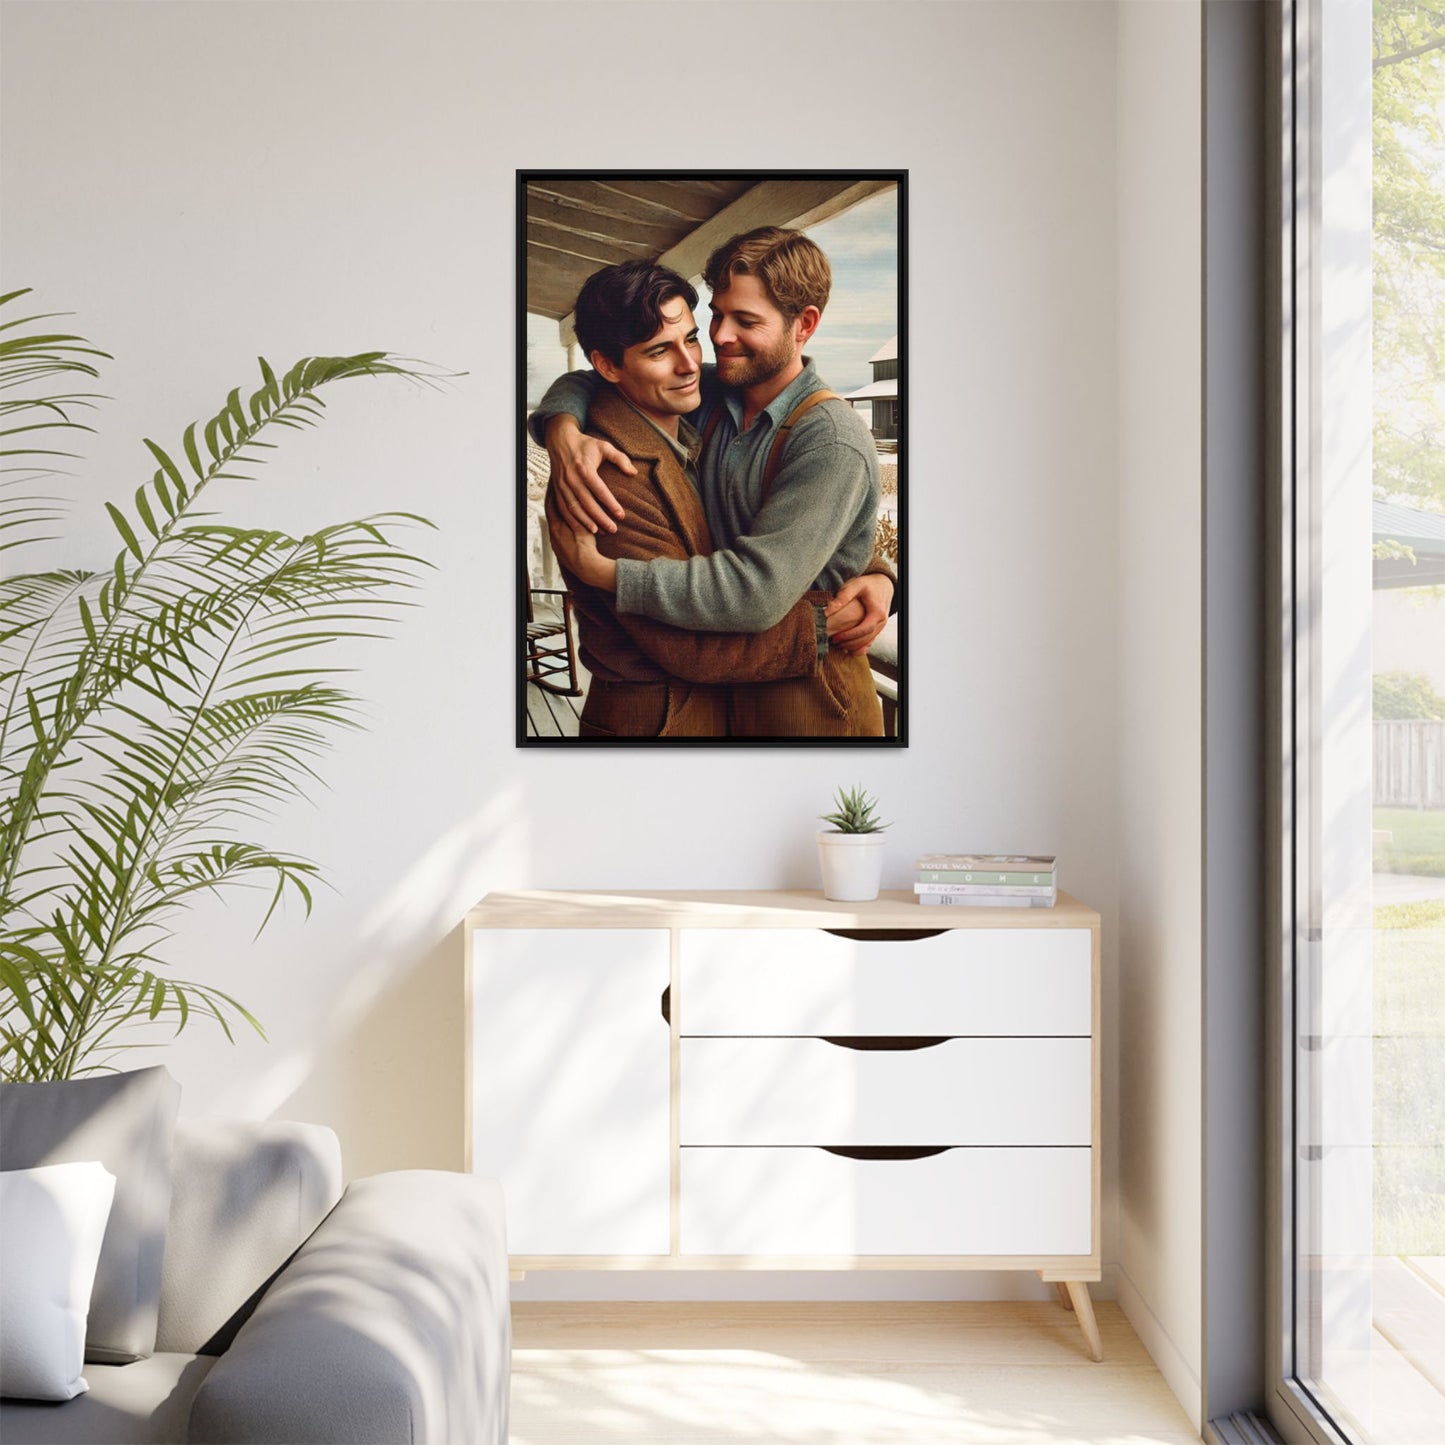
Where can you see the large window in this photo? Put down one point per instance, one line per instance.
(1362, 1328)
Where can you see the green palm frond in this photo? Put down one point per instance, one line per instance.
(152, 710)
(32, 426)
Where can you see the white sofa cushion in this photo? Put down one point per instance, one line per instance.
(126, 1121)
(52, 1221)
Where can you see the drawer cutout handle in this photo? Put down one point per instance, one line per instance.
(894, 1045)
(885, 1151)
(667, 1005)
(885, 935)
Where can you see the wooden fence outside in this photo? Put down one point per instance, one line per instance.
(1409, 764)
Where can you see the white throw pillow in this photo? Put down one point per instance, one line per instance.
(52, 1220)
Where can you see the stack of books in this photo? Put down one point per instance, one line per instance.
(987, 880)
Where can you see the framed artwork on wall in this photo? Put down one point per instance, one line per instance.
(712, 517)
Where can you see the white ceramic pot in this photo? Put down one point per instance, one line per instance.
(852, 865)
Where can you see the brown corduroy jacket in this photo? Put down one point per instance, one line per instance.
(650, 679)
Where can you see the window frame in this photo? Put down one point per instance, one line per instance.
(1293, 1408)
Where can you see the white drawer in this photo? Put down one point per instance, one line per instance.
(801, 1202)
(961, 1091)
(961, 981)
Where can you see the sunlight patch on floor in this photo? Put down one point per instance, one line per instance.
(657, 1396)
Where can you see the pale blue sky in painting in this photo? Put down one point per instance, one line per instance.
(862, 313)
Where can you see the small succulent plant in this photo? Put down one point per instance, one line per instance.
(855, 813)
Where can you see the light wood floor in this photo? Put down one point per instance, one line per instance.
(833, 1374)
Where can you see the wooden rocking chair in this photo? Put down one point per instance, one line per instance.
(549, 653)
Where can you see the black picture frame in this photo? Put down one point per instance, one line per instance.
(571, 222)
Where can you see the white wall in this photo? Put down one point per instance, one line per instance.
(1160, 740)
(202, 183)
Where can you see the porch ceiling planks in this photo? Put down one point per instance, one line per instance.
(575, 225)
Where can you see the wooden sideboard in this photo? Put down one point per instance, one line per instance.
(729, 1080)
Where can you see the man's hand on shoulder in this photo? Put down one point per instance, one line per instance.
(874, 593)
(581, 493)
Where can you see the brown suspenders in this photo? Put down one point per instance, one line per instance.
(710, 428)
(775, 456)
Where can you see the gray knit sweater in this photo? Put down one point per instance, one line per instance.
(814, 529)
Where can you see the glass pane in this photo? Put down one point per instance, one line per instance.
(1370, 1010)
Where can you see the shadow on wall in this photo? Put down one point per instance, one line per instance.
(376, 1050)
(1140, 1009)
(390, 1082)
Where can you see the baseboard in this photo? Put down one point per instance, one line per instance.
(756, 1285)
(1178, 1375)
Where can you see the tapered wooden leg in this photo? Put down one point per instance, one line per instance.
(1063, 1290)
(1084, 1310)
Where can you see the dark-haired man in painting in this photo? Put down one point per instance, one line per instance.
(649, 679)
(789, 483)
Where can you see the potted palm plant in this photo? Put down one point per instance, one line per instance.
(153, 713)
(851, 851)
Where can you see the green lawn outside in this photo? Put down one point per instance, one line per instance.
(1428, 913)
(1417, 841)
(1409, 1082)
